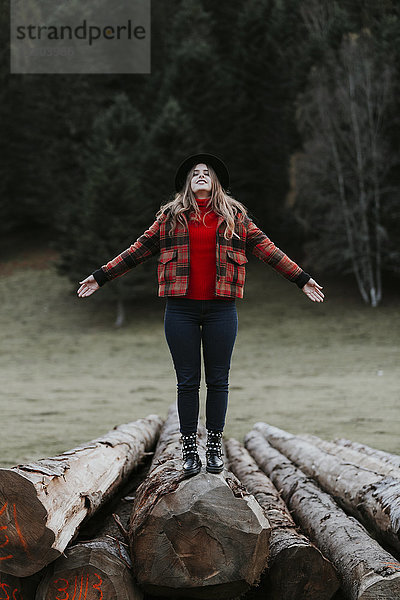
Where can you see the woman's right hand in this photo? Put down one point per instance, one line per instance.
(88, 287)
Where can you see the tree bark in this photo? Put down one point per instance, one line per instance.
(366, 570)
(297, 570)
(204, 536)
(43, 504)
(353, 456)
(386, 457)
(367, 495)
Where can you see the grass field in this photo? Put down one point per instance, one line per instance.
(68, 375)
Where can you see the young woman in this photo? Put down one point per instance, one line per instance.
(201, 237)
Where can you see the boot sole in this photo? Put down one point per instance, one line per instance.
(194, 471)
(214, 469)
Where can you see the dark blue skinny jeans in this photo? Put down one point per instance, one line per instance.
(188, 324)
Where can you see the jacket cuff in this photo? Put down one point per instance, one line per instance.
(100, 277)
(302, 279)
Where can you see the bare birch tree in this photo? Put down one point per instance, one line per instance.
(343, 191)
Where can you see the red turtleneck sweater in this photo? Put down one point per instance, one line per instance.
(202, 240)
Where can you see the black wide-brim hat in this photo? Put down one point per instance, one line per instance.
(209, 159)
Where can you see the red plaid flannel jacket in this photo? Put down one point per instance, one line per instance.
(174, 260)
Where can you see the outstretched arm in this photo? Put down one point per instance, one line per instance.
(147, 245)
(262, 247)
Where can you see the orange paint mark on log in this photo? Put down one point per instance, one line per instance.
(7, 541)
(6, 536)
(62, 589)
(80, 589)
(83, 588)
(3, 589)
(7, 597)
(21, 537)
(5, 544)
(97, 586)
(86, 588)
(3, 508)
(73, 597)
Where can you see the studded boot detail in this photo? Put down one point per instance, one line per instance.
(215, 463)
(191, 464)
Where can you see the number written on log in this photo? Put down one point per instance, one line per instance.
(79, 588)
(5, 554)
(4, 539)
(9, 594)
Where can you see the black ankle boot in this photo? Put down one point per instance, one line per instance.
(191, 461)
(215, 464)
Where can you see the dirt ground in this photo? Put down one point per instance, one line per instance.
(68, 375)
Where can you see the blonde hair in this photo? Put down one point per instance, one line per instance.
(222, 203)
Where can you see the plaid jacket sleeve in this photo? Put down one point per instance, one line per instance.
(261, 246)
(146, 246)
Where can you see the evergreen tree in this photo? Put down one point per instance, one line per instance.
(194, 76)
(269, 63)
(100, 219)
(128, 173)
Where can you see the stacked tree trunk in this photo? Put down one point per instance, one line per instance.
(296, 568)
(290, 517)
(98, 565)
(367, 493)
(350, 455)
(386, 457)
(310, 480)
(203, 537)
(43, 504)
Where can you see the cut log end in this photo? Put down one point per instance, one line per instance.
(387, 588)
(19, 588)
(24, 537)
(187, 533)
(300, 570)
(104, 575)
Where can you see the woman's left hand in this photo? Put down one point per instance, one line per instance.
(313, 290)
